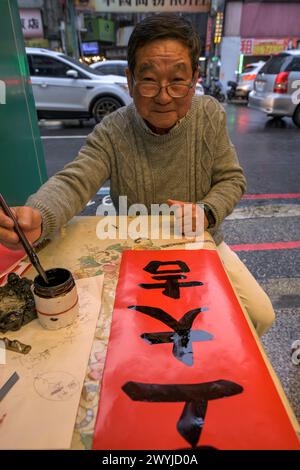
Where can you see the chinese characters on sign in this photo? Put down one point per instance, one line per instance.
(32, 25)
(118, 6)
(265, 46)
(209, 30)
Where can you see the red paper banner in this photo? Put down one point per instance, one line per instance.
(183, 369)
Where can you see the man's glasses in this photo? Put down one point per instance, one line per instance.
(151, 90)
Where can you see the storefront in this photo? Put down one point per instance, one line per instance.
(256, 30)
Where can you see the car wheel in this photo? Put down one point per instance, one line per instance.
(296, 116)
(104, 106)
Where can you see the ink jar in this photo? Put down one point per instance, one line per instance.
(56, 301)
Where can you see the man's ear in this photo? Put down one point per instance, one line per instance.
(129, 81)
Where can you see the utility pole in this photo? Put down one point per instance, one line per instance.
(73, 25)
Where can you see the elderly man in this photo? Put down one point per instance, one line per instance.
(167, 146)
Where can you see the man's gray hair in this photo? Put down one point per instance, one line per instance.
(164, 26)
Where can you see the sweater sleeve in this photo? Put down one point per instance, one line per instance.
(67, 193)
(228, 182)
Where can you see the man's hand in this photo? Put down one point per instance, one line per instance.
(191, 217)
(30, 221)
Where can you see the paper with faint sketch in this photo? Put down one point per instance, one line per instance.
(40, 410)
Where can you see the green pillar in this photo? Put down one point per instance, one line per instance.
(22, 164)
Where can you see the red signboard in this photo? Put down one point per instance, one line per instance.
(209, 35)
(266, 46)
(183, 369)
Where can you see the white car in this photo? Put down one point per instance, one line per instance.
(276, 88)
(199, 89)
(110, 67)
(246, 79)
(65, 88)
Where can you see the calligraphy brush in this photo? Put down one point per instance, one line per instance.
(27, 246)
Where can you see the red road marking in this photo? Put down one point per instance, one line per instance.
(266, 246)
(272, 196)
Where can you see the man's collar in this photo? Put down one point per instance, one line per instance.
(152, 129)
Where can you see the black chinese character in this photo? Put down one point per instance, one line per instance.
(171, 288)
(157, 3)
(153, 267)
(195, 396)
(182, 338)
(33, 23)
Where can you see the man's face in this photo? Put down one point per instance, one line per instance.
(162, 61)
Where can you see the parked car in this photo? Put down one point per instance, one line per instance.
(277, 86)
(246, 79)
(199, 89)
(110, 67)
(65, 88)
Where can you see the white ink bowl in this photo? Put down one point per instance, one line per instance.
(56, 302)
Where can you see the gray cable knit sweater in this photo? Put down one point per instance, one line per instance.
(195, 162)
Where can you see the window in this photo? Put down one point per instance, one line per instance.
(43, 66)
(112, 69)
(249, 68)
(81, 65)
(108, 69)
(294, 66)
(276, 64)
(121, 70)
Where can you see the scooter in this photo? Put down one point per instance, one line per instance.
(215, 89)
(231, 92)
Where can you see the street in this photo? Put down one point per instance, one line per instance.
(264, 229)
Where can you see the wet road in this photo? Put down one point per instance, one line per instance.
(265, 227)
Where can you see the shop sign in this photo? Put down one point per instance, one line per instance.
(99, 29)
(218, 28)
(263, 46)
(132, 6)
(38, 42)
(32, 25)
(106, 30)
(209, 35)
(84, 5)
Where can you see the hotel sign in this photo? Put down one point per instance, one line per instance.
(152, 6)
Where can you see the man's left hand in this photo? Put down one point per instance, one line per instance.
(190, 217)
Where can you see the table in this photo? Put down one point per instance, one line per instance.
(78, 249)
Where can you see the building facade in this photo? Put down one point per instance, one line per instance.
(41, 22)
(254, 30)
